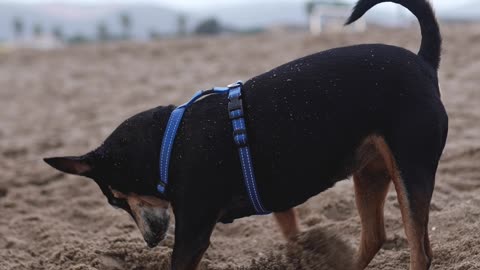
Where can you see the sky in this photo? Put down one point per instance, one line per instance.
(182, 4)
(202, 4)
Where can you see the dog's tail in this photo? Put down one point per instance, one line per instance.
(431, 47)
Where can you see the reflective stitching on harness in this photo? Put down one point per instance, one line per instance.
(247, 178)
(244, 169)
(165, 163)
(252, 182)
(241, 140)
(170, 143)
(254, 185)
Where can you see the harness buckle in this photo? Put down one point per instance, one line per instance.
(235, 104)
(236, 84)
(235, 109)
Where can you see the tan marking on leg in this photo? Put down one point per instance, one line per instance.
(415, 229)
(426, 242)
(373, 149)
(287, 220)
(371, 188)
(415, 224)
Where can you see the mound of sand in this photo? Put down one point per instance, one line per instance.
(314, 249)
(67, 101)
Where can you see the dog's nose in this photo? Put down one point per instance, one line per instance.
(151, 244)
(154, 241)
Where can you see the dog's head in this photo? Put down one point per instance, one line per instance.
(125, 167)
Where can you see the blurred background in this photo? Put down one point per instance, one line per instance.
(47, 24)
(72, 71)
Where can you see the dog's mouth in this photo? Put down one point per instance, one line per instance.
(153, 225)
(150, 213)
(154, 241)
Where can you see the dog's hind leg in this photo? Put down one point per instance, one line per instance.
(287, 221)
(416, 147)
(414, 188)
(371, 187)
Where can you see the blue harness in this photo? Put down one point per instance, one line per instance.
(235, 111)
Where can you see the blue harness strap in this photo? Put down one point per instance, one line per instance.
(171, 132)
(236, 114)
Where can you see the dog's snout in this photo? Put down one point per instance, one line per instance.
(153, 223)
(151, 215)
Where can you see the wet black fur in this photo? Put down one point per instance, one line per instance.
(305, 120)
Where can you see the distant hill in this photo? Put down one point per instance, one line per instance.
(84, 19)
(465, 12)
(258, 14)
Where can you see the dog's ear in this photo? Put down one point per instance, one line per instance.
(71, 165)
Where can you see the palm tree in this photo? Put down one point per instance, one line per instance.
(126, 23)
(102, 32)
(37, 30)
(309, 6)
(181, 25)
(154, 34)
(209, 26)
(57, 32)
(18, 27)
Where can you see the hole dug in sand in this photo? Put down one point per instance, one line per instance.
(3, 191)
(316, 248)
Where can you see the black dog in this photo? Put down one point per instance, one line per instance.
(371, 111)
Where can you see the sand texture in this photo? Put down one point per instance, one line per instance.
(66, 101)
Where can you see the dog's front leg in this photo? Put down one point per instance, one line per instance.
(287, 220)
(192, 237)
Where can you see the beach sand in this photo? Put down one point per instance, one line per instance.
(66, 101)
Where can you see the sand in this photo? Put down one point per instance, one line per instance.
(66, 101)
